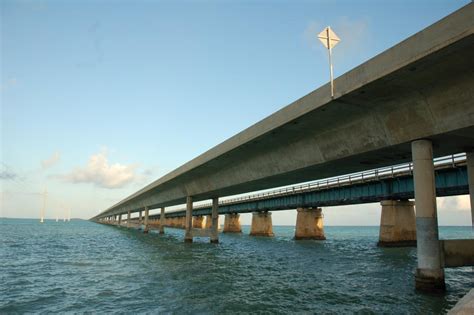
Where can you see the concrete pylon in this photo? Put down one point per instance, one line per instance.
(309, 224)
(140, 217)
(188, 236)
(145, 229)
(429, 275)
(215, 221)
(397, 224)
(261, 224)
(470, 177)
(232, 223)
(198, 222)
(162, 220)
(120, 220)
(128, 219)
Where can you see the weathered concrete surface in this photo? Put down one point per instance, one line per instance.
(232, 223)
(215, 221)
(208, 222)
(261, 224)
(419, 88)
(162, 220)
(198, 222)
(429, 275)
(457, 253)
(397, 224)
(309, 224)
(145, 230)
(464, 306)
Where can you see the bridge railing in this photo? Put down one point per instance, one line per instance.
(350, 179)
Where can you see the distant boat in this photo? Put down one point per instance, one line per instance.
(57, 219)
(44, 207)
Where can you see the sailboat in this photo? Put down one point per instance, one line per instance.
(44, 207)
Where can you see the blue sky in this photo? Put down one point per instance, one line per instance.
(99, 98)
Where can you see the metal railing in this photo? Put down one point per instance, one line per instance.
(344, 180)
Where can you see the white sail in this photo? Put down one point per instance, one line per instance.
(44, 207)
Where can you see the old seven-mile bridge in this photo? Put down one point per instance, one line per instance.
(410, 106)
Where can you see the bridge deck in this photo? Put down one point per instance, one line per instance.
(420, 88)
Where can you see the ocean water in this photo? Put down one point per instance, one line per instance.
(84, 267)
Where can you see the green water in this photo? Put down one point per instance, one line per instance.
(83, 267)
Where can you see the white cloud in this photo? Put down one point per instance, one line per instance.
(454, 203)
(51, 161)
(8, 84)
(99, 172)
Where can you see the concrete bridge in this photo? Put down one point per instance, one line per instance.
(413, 102)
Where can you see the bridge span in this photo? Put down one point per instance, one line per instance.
(413, 102)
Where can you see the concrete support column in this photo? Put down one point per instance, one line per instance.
(397, 224)
(215, 221)
(429, 274)
(128, 218)
(145, 230)
(470, 177)
(208, 222)
(140, 217)
(162, 220)
(261, 224)
(188, 236)
(232, 223)
(309, 224)
(120, 220)
(198, 222)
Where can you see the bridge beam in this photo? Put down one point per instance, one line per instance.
(470, 178)
(261, 224)
(145, 229)
(232, 223)
(429, 274)
(397, 224)
(128, 218)
(162, 220)
(309, 224)
(198, 222)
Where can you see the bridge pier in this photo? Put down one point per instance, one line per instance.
(215, 221)
(232, 223)
(397, 224)
(188, 236)
(198, 222)
(140, 217)
(261, 224)
(162, 220)
(309, 224)
(195, 228)
(145, 229)
(470, 178)
(429, 275)
(120, 220)
(128, 218)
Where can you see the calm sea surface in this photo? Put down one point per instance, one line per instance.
(83, 267)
